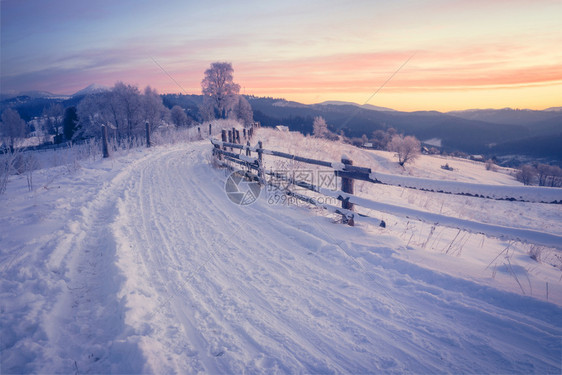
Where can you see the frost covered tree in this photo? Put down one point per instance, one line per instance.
(526, 174)
(13, 128)
(127, 105)
(380, 138)
(53, 115)
(178, 116)
(319, 127)
(407, 148)
(123, 109)
(242, 111)
(219, 89)
(153, 108)
(93, 111)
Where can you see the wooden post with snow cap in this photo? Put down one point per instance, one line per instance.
(147, 127)
(347, 187)
(105, 148)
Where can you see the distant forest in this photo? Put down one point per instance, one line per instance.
(510, 135)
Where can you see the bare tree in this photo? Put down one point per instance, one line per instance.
(178, 116)
(218, 86)
(526, 174)
(555, 176)
(13, 127)
(319, 127)
(407, 148)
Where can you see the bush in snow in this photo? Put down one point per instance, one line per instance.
(9, 159)
(491, 166)
(12, 128)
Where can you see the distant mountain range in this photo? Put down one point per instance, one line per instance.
(491, 132)
(521, 133)
(365, 106)
(91, 89)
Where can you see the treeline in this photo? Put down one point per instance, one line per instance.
(540, 174)
(125, 110)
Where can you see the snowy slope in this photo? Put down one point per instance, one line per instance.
(140, 263)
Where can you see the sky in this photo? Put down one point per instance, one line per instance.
(408, 55)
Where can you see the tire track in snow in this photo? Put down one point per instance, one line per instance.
(85, 328)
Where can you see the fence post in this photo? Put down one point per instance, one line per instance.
(238, 136)
(147, 127)
(244, 132)
(261, 173)
(210, 129)
(105, 148)
(248, 152)
(216, 152)
(347, 187)
(223, 138)
(199, 131)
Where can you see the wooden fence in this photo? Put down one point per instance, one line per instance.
(229, 152)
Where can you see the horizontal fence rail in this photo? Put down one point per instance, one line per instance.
(497, 192)
(533, 194)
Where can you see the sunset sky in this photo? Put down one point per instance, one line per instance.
(464, 54)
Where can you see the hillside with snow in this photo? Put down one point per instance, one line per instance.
(140, 263)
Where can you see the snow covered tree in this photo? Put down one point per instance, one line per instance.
(219, 89)
(242, 111)
(53, 118)
(178, 116)
(126, 103)
(154, 109)
(407, 148)
(93, 111)
(13, 127)
(122, 109)
(319, 127)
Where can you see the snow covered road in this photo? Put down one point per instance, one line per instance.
(162, 273)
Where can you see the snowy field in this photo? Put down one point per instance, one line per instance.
(141, 264)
